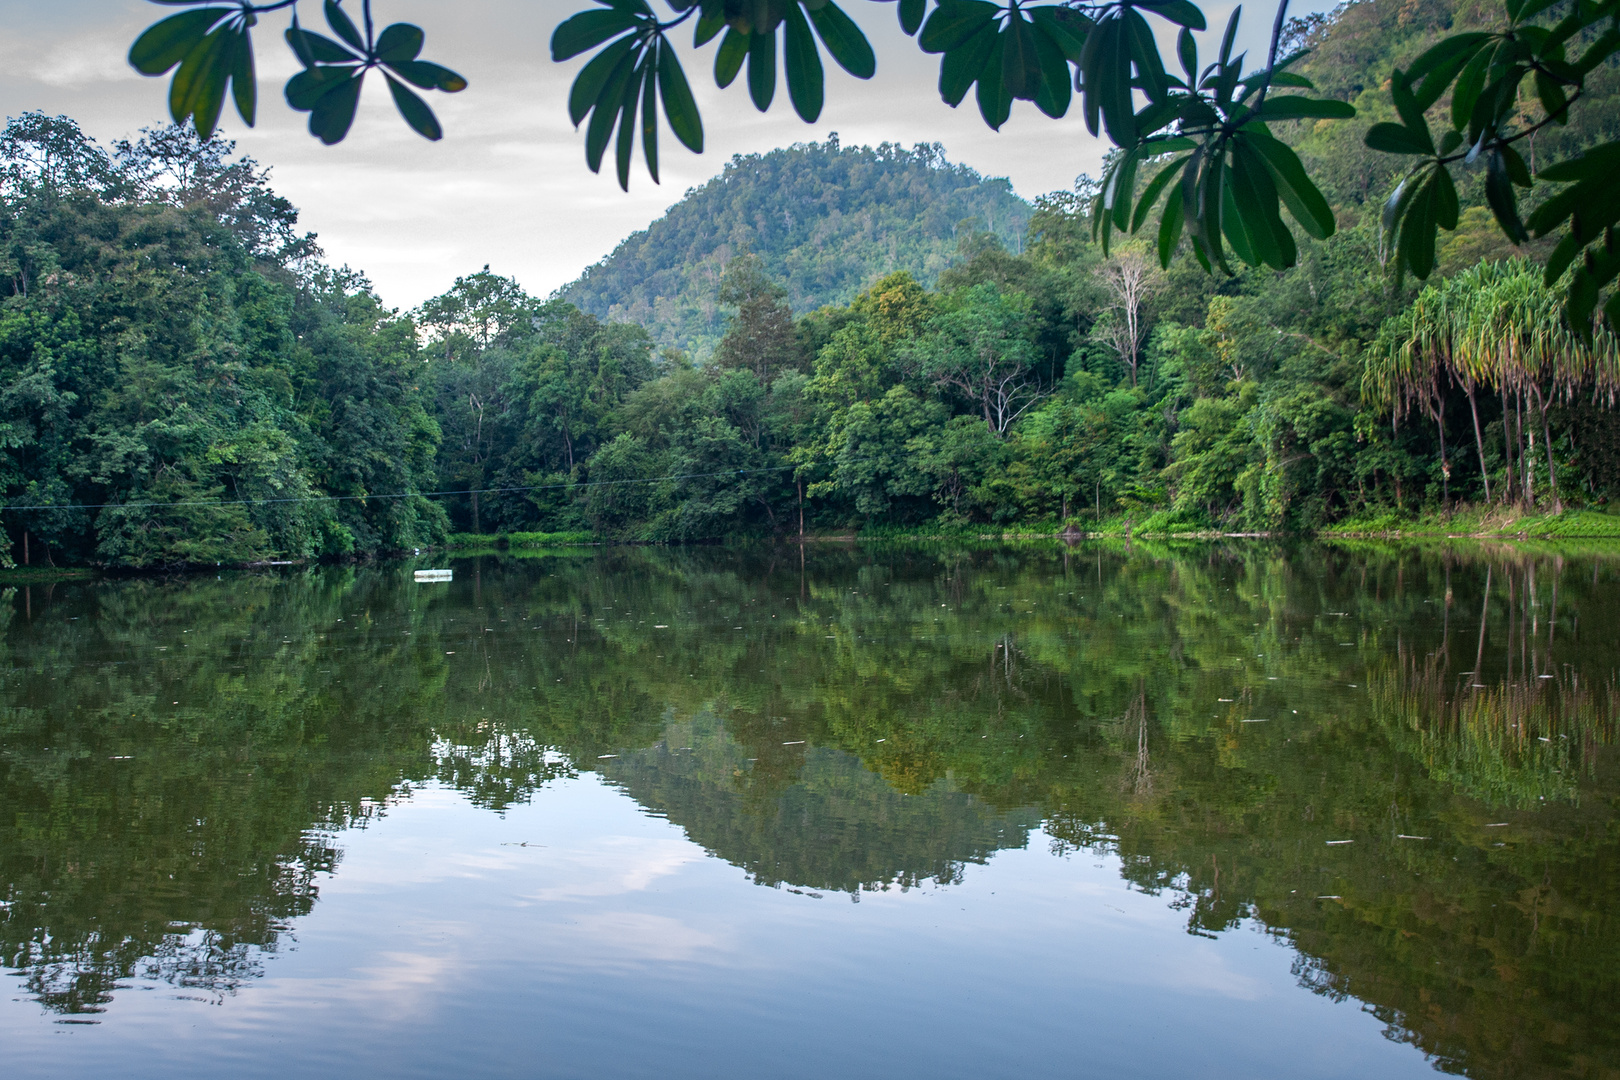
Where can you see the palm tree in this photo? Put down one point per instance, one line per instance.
(1494, 326)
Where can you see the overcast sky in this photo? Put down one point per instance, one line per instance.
(508, 184)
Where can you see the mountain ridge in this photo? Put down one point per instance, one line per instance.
(825, 219)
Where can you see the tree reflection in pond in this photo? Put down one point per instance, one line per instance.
(179, 760)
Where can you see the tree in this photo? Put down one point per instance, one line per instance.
(760, 337)
(980, 347)
(1495, 326)
(1129, 280)
(477, 311)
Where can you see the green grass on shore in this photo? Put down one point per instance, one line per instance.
(1482, 522)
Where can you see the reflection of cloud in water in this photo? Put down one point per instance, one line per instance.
(406, 980)
(620, 865)
(642, 936)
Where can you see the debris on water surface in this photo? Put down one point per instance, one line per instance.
(1403, 836)
(794, 742)
(1258, 720)
(600, 757)
(434, 575)
(1341, 841)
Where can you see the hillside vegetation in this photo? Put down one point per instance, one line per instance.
(826, 220)
(184, 380)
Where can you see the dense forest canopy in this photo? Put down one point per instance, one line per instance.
(826, 219)
(187, 381)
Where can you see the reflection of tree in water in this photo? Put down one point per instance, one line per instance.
(1518, 734)
(881, 720)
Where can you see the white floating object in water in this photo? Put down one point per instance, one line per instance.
(1341, 841)
(434, 575)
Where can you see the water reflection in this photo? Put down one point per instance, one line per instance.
(1401, 762)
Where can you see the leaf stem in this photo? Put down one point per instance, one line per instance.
(1271, 56)
(673, 23)
(1550, 118)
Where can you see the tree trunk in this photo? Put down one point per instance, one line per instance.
(1526, 442)
(1509, 476)
(1445, 463)
(1479, 442)
(1546, 441)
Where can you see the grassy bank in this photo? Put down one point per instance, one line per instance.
(1482, 522)
(1465, 522)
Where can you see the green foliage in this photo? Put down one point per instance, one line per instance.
(1505, 85)
(183, 383)
(995, 385)
(209, 46)
(1226, 189)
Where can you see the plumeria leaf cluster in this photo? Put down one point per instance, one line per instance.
(1223, 178)
(1196, 160)
(208, 47)
(1504, 86)
(636, 68)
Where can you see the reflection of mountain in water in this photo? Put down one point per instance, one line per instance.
(836, 826)
(177, 760)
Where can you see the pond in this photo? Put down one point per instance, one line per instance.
(1224, 810)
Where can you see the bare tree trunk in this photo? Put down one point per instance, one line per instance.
(1479, 442)
(1445, 463)
(1509, 476)
(1526, 447)
(1546, 441)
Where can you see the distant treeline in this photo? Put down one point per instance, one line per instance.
(185, 380)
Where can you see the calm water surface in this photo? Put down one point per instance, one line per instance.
(1217, 811)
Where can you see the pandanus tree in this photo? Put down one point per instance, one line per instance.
(1220, 177)
(1495, 327)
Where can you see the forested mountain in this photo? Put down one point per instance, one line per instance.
(826, 220)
